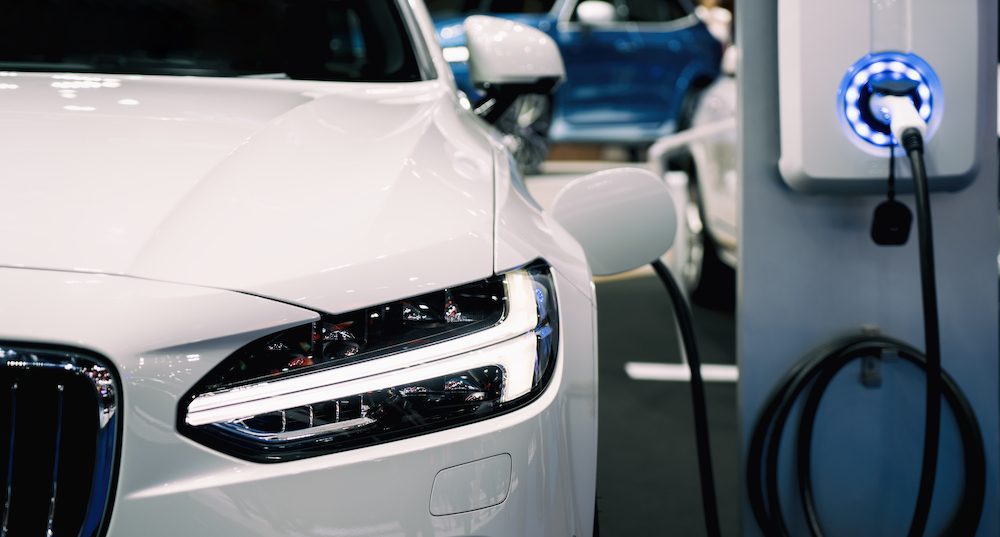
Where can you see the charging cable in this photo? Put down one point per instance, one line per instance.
(908, 127)
(913, 142)
(682, 312)
(813, 376)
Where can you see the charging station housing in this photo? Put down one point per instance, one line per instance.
(810, 273)
(822, 44)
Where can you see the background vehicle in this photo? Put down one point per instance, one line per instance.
(633, 67)
(706, 255)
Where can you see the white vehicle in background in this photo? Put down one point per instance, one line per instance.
(300, 292)
(701, 163)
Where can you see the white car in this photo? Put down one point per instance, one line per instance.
(301, 293)
(707, 254)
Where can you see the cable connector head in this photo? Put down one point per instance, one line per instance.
(901, 112)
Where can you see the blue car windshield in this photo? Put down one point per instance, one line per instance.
(343, 40)
(454, 8)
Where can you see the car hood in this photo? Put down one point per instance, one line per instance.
(330, 195)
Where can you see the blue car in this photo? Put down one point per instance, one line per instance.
(634, 67)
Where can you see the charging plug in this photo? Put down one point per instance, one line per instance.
(892, 101)
(901, 113)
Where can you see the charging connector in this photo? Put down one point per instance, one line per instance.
(901, 112)
(893, 102)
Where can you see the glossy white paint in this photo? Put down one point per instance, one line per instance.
(623, 218)
(334, 196)
(524, 232)
(150, 200)
(471, 486)
(503, 52)
(133, 322)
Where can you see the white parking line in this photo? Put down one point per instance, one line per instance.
(680, 372)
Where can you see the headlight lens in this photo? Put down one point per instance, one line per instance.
(383, 373)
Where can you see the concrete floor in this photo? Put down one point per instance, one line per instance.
(647, 478)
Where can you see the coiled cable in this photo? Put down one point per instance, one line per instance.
(814, 374)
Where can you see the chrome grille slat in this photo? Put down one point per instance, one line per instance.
(60, 390)
(10, 461)
(62, 431)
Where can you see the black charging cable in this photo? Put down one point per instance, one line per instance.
(812, 377)
(913, 142)
(682, 312)
(814, 374)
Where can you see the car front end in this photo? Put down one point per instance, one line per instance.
(259, 305)
(506, 474)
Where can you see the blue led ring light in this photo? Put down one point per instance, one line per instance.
(856, 93)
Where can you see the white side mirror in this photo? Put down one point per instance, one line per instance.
(624, 218)
(595, 12)
(509, 54)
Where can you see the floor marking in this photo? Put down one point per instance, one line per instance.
(680, 372)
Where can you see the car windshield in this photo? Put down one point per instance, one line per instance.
(454, 8)
(343, 40)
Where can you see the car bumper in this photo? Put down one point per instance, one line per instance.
(532, 469)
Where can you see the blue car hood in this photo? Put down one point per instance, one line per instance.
(451, 33)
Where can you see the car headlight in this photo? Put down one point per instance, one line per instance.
(456, 54)
(382, 373)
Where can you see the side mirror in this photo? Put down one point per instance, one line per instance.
(508, 59)
(595, 13)
(624, 218)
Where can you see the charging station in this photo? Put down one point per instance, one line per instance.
(828, 54)
(815, 156)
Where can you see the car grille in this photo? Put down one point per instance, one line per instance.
(59, 431)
